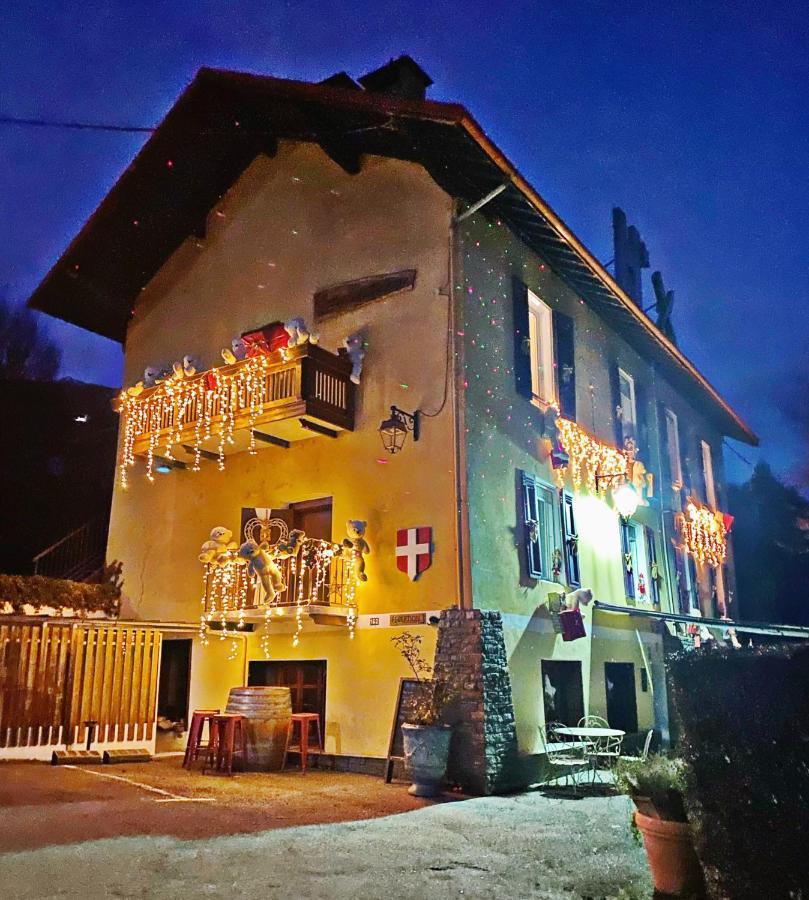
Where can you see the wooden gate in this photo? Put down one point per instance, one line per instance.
(54, 678)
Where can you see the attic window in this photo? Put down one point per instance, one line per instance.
(349, 295)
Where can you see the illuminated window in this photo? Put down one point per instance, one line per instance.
(637, 562)
(540, 335)
(673, 445)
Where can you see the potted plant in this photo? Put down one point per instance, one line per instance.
(656, 786)
(425, 734)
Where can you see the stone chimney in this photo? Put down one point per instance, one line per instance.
(402, 77)
(631, 256)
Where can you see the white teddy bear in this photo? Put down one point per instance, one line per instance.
(299, 333)
(216, 549)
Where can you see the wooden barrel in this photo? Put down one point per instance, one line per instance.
(268, 711)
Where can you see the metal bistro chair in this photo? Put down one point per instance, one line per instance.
(567, 756)
(604, 750)
(647, 746)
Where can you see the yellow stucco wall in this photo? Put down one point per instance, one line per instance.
(289, 226)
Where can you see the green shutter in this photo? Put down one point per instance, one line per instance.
(522, 345)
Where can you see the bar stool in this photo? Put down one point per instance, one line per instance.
(194, 743)
(228, 739)
(303, 721)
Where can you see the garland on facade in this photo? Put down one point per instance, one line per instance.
(589, 457)
(179, 401)
(230, 586)
(704, 534)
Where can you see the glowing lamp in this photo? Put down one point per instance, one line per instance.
(626, 500)
(393, 430)
(163, 468)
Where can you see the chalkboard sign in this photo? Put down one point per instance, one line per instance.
(405, 701)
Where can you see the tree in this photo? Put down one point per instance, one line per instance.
(771, 549)
(25, 350)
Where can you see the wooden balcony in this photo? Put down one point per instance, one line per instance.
(248, 405)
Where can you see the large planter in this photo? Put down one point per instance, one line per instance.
(670, 851)
(268, 711)
(426, 749)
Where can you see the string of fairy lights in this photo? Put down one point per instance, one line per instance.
(491, 259)
(320, 569)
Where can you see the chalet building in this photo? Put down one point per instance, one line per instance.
(392, 284)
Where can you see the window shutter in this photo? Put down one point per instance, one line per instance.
(682, 583)
(564, 332)
(627, 560)
(532, 537)
(665, 475)
(615, 391)
(655, 573)
(643, 423)
(570, 538)
(522, 346)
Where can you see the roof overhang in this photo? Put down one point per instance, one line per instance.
(224, 120)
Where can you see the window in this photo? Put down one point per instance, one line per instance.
(637, 568)
(629, 414)
(540, 335)
(563, 691)
(707, 474)
(571, 541)
(673, 444)
(541, 528)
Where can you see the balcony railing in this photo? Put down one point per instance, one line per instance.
(320, 574)
(251, 403)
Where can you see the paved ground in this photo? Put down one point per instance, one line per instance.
(525, 846)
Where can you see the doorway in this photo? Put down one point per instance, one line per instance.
(173, 692)
(563, 691)
(622, 706)
(306, 681)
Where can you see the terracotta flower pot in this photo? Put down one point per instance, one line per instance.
(670, 851)
(426, 749)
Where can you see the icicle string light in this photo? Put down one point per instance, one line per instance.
(589, 457)
(211, 403)
(320, 573)
(704, 534)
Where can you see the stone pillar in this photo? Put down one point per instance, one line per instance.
(471, 654)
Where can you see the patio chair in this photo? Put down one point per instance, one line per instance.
(566, 756)
(647, 745)
(593, 722)
(601, 750)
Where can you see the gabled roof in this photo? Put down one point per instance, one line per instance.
(224, 119)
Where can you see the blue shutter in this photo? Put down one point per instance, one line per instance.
(532, 527)
(627, 559)
(615, 391)
(570, 539)
(654, 568)
(564, 335)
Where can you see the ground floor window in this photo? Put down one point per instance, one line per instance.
(562, 690)
(306, 680)
(622, 706)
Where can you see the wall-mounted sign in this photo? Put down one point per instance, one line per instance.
(414, 550)
(408, 618)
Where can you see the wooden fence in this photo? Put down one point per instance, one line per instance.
(54, 678)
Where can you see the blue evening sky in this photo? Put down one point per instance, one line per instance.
(694, 117)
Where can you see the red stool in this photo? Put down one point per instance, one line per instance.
(228, 739)
(198, 719)
(303, 721)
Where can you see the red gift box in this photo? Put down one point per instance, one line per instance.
(572, 625)
(266, 340)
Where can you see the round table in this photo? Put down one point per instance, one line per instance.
(590, 734)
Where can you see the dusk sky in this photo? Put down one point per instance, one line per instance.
(693, 117)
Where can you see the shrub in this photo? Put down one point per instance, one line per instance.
(40, 592)
(660, 778)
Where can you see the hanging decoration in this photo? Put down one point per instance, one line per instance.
(704, 533)
(589, 457)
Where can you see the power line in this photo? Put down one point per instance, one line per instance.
(734, 450)
(74, 126)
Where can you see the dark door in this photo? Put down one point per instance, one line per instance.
(175, 679)
(306, 682)
(563, 691)
(622, 707)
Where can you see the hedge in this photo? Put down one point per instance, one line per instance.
(40, 592)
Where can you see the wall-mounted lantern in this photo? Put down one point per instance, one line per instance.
(625, 497)
(393, 430)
